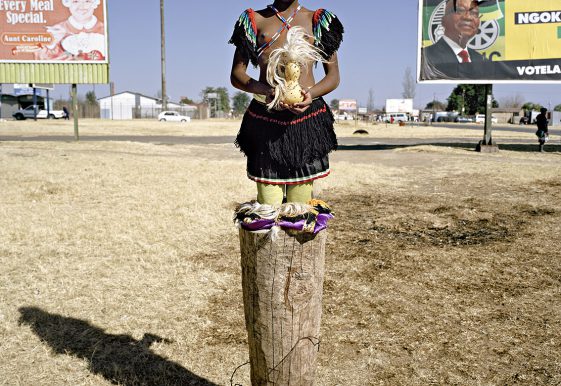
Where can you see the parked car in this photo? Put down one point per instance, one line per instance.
(29, 112)
(463, 119)
(172, 116)
(480, 118)
(524, 121)
(345, 117)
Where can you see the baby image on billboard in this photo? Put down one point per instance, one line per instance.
(53, 31)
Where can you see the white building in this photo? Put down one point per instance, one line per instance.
(131, 105)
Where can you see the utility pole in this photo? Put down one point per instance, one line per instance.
(164, 92)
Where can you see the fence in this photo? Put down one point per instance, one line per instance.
(128, 111)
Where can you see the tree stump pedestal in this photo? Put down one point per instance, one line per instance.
(282, 282)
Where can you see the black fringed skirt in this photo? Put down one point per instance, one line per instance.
(284, 148)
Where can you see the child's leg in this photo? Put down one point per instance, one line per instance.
(270, 194)
(300, 193)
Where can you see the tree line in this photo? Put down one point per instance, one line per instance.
(469, 99)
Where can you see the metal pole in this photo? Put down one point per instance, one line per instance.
(163, 42)
(487, 140)
(112, 93)
(75, 110)
(356, 115)
(486, 145)
(433, 109)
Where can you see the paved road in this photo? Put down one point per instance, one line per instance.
(499, 127)
(216, 140)
(348, 143)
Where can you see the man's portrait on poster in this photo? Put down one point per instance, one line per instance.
(450, 57)
(80, 37)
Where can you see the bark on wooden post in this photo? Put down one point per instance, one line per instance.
(282, 288)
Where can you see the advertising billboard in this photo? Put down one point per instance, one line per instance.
(491, 41)
(399, 106)
(53, 31)
(347, 105)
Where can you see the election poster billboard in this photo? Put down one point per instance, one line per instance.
(53, 31)
(491, 41)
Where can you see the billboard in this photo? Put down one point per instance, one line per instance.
(53, 31)
(490, 41)
(347, 105)
(399, 106)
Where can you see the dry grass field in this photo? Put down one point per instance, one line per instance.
(119, 262)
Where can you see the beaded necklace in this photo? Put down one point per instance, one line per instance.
(285, 25)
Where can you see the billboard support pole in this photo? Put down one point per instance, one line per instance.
(35, 107)
(487, 145)
(75, 110)
(488, 114)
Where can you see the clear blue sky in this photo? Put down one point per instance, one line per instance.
(379, 44)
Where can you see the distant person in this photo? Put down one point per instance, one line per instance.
(65, 111)
(450, 57)
(286, 148)
(543, 131)
(80, 37)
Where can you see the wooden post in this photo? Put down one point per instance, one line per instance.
(282, 284)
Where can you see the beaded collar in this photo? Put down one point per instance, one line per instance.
(285, 26)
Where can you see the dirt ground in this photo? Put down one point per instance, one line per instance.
(119, 261)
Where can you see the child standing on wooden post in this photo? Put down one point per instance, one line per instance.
(286, 146)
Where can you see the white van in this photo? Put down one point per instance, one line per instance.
(397, 117)
(480, 118)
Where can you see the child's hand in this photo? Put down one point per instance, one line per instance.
(300, 107)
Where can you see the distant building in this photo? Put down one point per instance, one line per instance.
(131, 105)
(16, 96)
(507, 115)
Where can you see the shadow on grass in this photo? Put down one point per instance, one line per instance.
(520, 147)
(119, 358)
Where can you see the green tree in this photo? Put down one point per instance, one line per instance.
(529, 106)
(334, 104)
(240, 101)
(469, 99)
(187, 101)
(223, 100)
(435, 105)
(557, 108)
(91, 99)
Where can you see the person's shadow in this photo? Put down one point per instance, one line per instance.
(119, 358)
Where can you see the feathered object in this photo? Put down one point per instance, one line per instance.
(295, 218)
(285, 64)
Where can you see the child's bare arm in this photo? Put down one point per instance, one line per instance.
(242, 81)
(331, 79)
